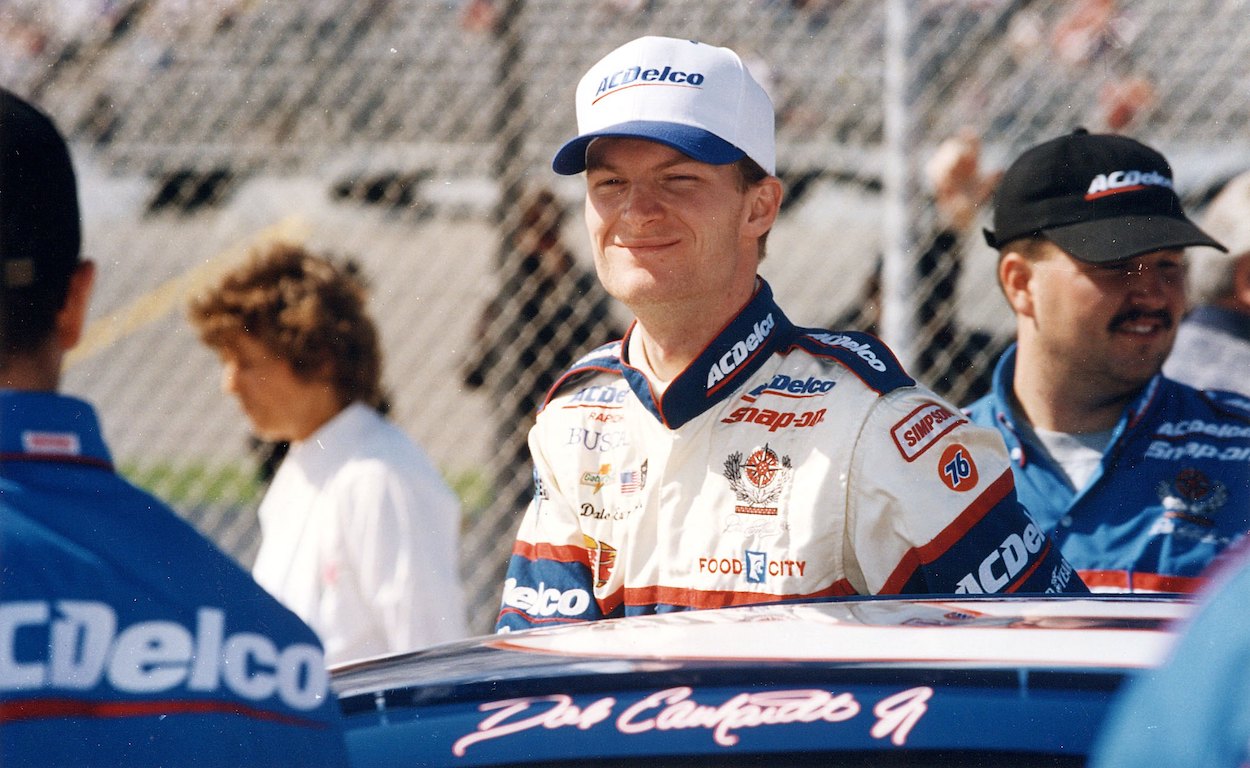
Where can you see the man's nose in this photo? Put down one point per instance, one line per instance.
(1148, 281)
(641, 204)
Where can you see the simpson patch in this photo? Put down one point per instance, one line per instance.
(922, 428)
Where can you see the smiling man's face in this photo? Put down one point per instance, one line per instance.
(666, 228)
(1116, 321)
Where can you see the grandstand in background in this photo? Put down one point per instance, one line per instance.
(404, 132)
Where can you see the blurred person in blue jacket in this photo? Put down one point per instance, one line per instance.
(1194, 710)
(126, 638)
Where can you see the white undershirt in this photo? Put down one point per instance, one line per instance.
(1078, 455)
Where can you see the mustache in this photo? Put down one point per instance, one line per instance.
(1132, 316)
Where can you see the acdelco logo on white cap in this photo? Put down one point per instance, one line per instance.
(638, 75)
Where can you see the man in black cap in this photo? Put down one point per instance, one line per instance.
(1142, 480)
(126, 639)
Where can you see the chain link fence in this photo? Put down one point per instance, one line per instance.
(415, 136)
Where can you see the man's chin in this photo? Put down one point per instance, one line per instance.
(1151, 347)
(1140, 368)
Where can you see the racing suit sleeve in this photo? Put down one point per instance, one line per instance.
(931, 496)
(550, 579)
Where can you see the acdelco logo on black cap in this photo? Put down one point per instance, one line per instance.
(1106, 184)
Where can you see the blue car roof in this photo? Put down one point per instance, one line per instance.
(867, 677)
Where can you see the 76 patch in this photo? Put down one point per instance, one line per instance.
(957, 469)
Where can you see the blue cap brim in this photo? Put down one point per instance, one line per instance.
(693, 142)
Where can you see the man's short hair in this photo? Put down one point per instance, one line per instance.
(1032, 247)
(40, 230)
(306, 309)
(751, 173)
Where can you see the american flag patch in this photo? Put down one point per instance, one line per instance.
(634, 480)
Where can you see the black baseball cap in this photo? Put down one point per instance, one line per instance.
(40, 229)
(1100, 197)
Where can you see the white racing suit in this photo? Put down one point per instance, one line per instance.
(783, 464)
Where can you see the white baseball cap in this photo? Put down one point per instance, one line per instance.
(693, 97)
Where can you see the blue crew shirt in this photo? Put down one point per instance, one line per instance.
(126, 638)
(1171, 492)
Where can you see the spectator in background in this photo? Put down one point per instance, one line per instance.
(1089, 30)
(951, 358)
(1129, 469)
(1212, 349)
(953, 353)
(359, 534)
(547, 312)
(126, 639)
(718, 454)
(1194, 710)
(1096, 38)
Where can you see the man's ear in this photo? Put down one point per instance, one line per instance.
(1015, 275)
(765, 204)
(73, 316)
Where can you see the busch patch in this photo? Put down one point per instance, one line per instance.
(758, 480)
(1192, 497)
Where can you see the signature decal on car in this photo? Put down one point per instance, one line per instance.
(676, 709)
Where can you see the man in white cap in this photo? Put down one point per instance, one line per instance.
(718, 454)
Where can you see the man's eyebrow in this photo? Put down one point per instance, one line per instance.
(597, 165)
(680, 160)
